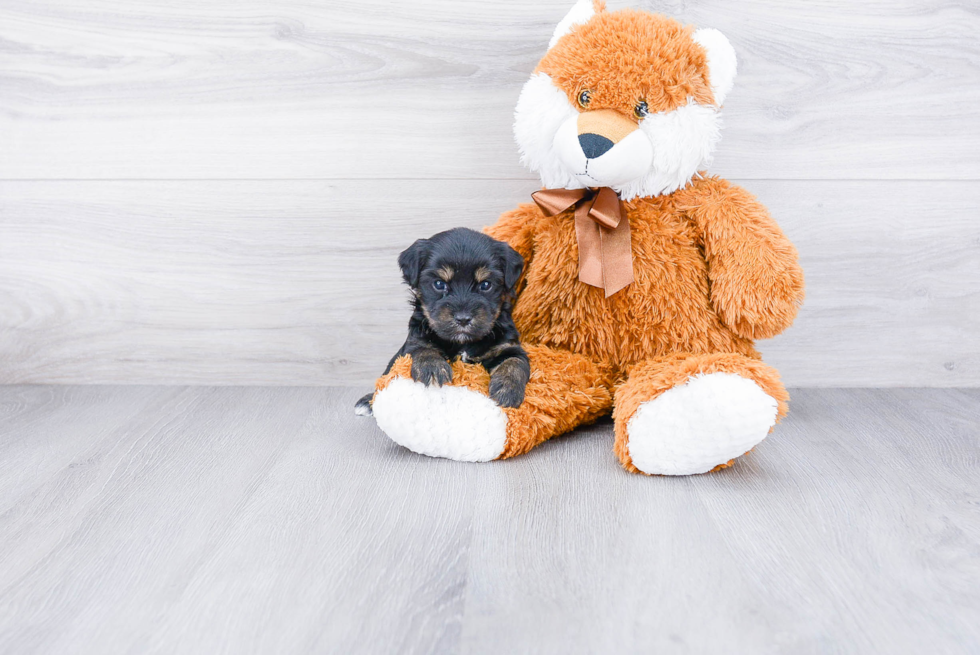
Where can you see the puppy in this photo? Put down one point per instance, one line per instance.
(462, 286)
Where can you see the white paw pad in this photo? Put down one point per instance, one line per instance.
(694, 427)
(451, 422)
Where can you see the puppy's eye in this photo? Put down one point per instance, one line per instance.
(641, 110)
(584, 98)
(486, 285)
(439, 285)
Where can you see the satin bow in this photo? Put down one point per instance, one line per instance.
(605, 256)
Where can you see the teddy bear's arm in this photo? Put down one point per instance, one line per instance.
(756, 279)
(516, 228)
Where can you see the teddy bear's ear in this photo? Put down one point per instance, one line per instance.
(581, 13)
(721, 62)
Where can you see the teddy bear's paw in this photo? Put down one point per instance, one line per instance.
(451, 422)
(697, 426)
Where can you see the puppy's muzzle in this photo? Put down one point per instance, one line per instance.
(600, 130)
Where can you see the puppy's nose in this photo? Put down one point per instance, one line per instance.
(463, 318)
(594, 145)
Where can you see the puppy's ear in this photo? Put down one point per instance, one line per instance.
(412, 261)
(513, 265)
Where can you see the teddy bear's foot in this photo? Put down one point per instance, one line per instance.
(684, 414)
(451, 421)
(700, 425)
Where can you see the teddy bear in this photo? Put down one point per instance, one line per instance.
(646, 280)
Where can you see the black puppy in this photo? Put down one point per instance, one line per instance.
(462, 286)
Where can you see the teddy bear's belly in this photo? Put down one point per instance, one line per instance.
(666, 309)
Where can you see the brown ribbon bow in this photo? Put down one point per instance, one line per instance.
(605, 256)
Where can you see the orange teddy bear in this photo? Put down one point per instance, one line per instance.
(645, 281)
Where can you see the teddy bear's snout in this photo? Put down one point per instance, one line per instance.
(600, 130)
(603, 147)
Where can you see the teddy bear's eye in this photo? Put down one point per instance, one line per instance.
(584, 98)
(641, 110)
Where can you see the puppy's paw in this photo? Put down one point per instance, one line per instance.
(506, 392)
(509, 380)
(431, 370)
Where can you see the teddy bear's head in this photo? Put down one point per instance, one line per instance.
(624, 99)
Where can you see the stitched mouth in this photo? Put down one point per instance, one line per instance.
(585, 173)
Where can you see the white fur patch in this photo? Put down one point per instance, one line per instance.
(582, 12)
(451, 422)
(541, 110)
(694, 427)
(722, 64)
(683, 142)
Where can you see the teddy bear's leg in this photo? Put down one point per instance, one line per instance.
(685, 414)
(459, 421)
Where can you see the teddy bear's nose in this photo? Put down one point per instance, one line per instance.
(594, 145)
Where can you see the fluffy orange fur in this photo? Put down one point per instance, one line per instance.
(712, 272)
(611, 57)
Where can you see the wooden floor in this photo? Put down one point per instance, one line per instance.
(271, 520)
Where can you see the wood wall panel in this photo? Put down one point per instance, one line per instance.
(295, 282)
(215, 191)
(380, 89)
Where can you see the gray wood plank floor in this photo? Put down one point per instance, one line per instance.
(239, 520)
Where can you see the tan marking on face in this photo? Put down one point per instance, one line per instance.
(606, 122)
(481, 274)
(446, 273)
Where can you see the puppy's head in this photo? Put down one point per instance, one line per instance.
(462, 279)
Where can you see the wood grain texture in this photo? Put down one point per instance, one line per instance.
(256, 520)
(295, 282)
(379, 89)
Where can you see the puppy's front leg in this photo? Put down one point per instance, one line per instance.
(508, 380)
(430, 366)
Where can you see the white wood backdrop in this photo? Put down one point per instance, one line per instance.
(215, 192)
